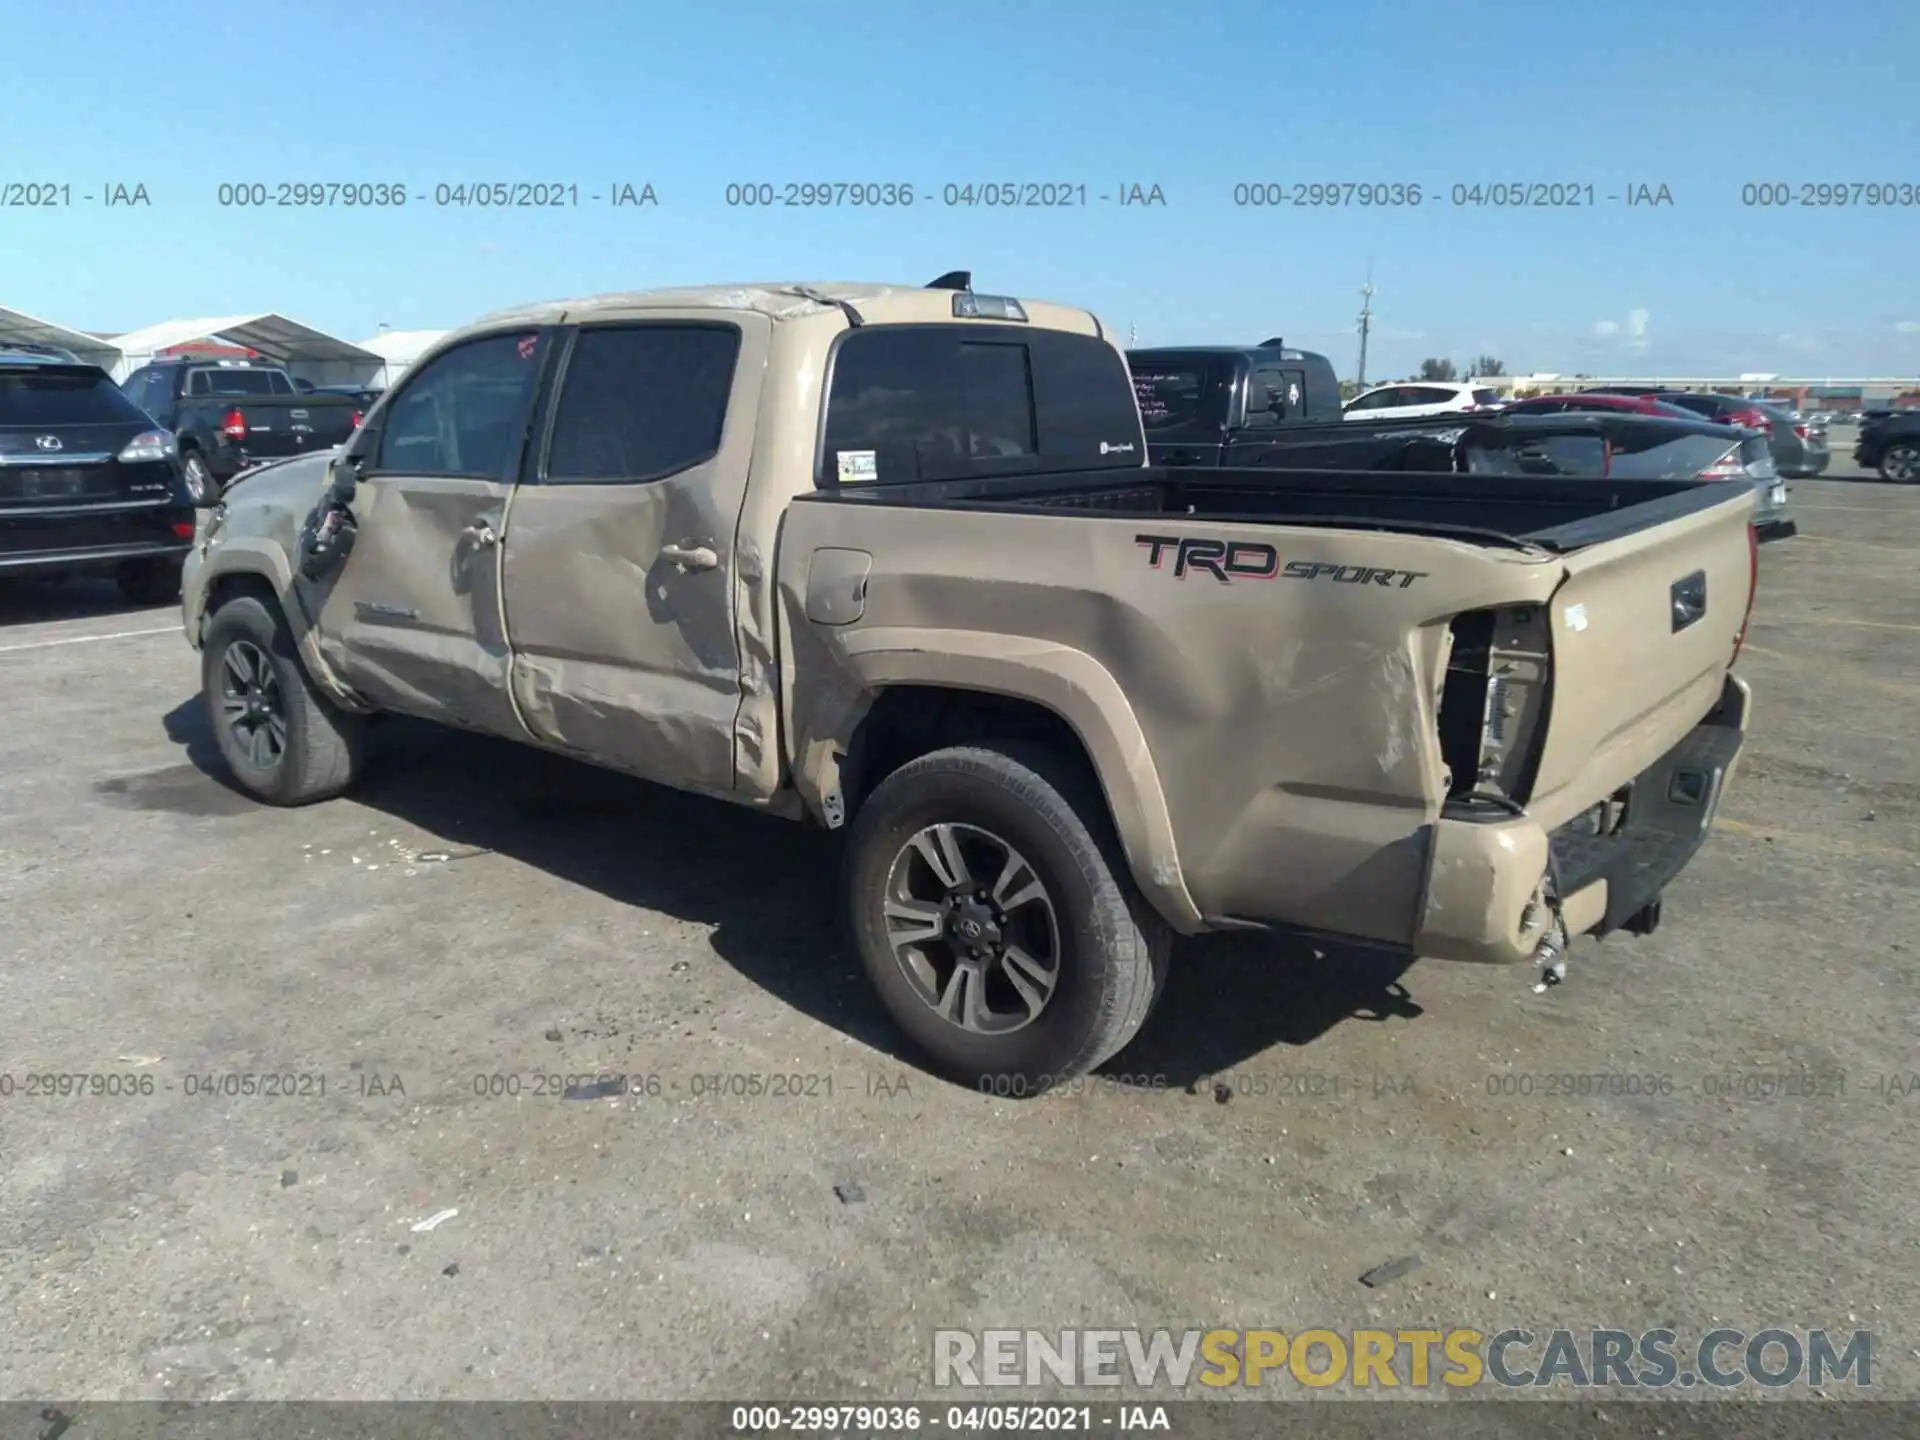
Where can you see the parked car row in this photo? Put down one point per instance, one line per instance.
(1268, 405)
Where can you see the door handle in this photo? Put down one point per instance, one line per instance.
(690, 557)
(482, 535)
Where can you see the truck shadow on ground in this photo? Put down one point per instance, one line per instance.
(29, 601)
(770, 889)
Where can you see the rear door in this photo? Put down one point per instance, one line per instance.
(413, 617)
(1643, 632)
(620, 564)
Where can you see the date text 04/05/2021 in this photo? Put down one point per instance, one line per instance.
(870, 1419)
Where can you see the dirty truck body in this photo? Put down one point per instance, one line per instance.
(891, 559)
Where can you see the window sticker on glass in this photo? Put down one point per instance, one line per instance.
(528, 344)
(858, 467)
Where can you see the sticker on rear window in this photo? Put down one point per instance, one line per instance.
(858, 467)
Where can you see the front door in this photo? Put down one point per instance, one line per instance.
(412, 620)
(621, 569)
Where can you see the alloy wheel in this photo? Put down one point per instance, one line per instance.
(973, 929)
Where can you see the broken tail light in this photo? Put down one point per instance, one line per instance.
(1728, 467)
(234, 426)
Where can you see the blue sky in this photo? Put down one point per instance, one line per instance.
(1192, 97)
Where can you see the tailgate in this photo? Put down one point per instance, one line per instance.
(292, 424)
(1644, 629)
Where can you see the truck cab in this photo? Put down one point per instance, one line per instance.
(1217, 404)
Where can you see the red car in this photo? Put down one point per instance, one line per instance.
(1563, 404)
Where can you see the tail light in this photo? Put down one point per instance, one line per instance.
(1801, 431)
(355, 423)
(1492, 707)
(234, 427)
(183, 529)
(148, 445)
(1753, 586)
(1728, 467)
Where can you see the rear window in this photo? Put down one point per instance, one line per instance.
(65, 397)
(1486, 397)
(1169, 395)
(238, 382)
(950, 402)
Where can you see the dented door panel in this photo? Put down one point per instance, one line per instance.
(412, 620)
(621, 594)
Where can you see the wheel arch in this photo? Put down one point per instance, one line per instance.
(954, 689)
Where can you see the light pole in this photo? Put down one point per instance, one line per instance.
(1366, 324)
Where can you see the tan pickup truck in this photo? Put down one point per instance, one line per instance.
(890, 560)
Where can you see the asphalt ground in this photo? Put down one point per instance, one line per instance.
(795, 1207)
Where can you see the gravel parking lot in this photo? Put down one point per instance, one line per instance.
(798, 1207)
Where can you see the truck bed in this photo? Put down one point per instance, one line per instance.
(1551, 513)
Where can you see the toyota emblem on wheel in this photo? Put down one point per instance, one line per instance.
(48, 442)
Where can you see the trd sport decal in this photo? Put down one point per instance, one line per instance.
(1230, 560)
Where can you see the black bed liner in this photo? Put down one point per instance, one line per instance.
(1554, 513)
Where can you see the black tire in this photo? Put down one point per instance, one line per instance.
(321, 746)
(1110, 948)
(1900, 465)
(200, 482)
(150, 582)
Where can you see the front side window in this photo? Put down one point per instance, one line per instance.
(641, 402)
(459, 415)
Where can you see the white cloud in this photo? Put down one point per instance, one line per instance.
(1637, 323)
(1907, 327)
(1606, 327)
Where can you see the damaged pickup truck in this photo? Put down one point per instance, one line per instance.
(891, 560)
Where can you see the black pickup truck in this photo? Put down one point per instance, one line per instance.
(227, 415)
(1266, 407)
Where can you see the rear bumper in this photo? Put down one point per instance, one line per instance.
(81, 537)
(89, 557)
(1487, 885)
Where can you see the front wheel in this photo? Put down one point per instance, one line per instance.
(283, 740)
(1901, 464)
(994, 916)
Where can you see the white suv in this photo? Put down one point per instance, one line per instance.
(1391, 402)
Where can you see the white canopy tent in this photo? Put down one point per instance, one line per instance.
(398, 349)
(308, 354)
(18, 328)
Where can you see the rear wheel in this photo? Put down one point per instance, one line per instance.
(1901, 464)
(150, 582)
(283, 740)
(200, 482)
(994, 916)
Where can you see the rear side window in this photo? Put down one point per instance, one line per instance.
(77, 396)
(949, 402)
(460, 413)
(1486, 397)
(641, 402)
(1170, 395)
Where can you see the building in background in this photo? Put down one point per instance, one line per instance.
(396, 350)
(308, 354)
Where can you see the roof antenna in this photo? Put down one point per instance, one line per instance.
(953, 280)
(1276, 343)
